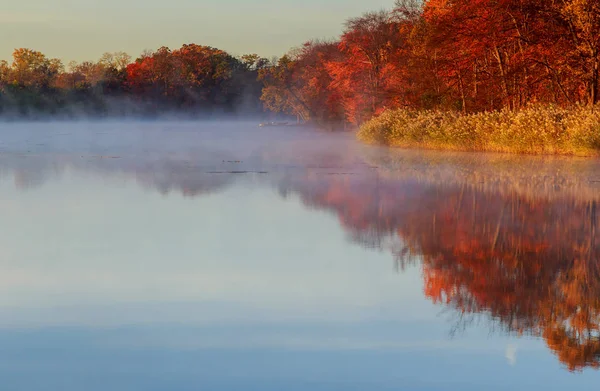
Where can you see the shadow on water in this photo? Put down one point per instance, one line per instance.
(511, 240)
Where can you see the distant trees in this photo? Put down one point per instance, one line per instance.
(117, 60)
(193, 78)
(188, 75)
(31, 68)
(28, 83)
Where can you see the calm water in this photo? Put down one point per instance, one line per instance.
(221, 256)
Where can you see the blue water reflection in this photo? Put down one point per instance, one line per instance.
(147, 262)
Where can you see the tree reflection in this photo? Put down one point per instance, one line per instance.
(161, 174)
(524, 256)
(530, 263)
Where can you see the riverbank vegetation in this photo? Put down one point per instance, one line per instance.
(534, 130)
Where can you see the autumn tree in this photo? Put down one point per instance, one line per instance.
(281, 92)
(31, 68)
(194, 76)
(486, 50)
(322, 98)
(301, 84)
(582, 22)
(468, 55)
(117, 60)
(4, 73)
(190, 78)
(207, 71)
(371, 70)
(253, 62)
(509, 53)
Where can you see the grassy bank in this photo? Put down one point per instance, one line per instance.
(537, 130)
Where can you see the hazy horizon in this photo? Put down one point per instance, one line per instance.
(78, 30)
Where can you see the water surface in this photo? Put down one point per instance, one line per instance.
(223, 256)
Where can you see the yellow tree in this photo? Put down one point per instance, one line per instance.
(4, 72)
(31, 68)
(116, 60)
(281, 92)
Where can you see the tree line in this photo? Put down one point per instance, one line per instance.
(464, 55)
(195, 79)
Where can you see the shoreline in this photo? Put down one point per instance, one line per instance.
(539, 130)
(451, 148)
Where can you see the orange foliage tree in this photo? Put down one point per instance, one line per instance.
(300, 84)
(468, 55)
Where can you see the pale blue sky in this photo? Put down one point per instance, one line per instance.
(84, 29)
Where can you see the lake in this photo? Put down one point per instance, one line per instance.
(224, 256)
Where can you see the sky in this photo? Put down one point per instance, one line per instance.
(84, 29)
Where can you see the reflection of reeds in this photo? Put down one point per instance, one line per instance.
(536, 130)
(532, 177)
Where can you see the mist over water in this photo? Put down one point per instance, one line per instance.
(216, 254)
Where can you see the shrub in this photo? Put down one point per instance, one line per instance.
(535, 130)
